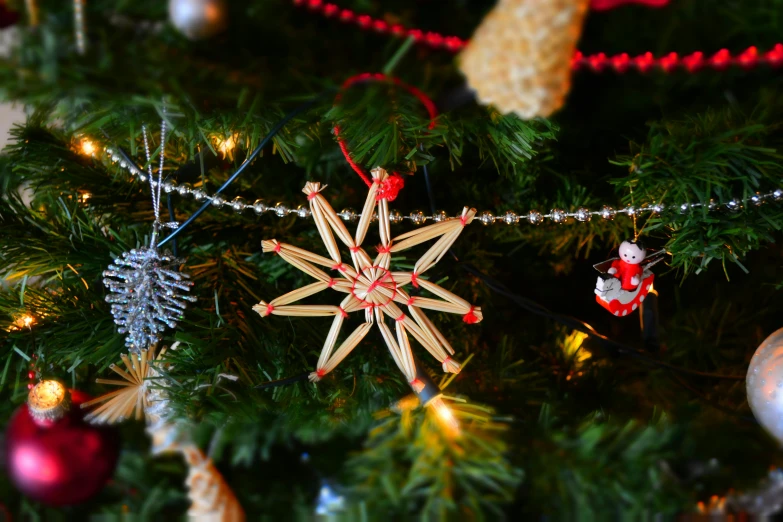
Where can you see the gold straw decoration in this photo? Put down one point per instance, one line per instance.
(370, 284)
(211, 498)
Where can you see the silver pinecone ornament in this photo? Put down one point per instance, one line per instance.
(148, 295)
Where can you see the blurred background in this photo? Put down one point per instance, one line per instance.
(155, 364)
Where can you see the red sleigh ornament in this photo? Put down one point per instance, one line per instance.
(609, 291)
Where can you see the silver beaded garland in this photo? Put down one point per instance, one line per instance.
(238, 204)
(198, 19)
(417, 217)
(281, 210)
(558, 216)
(607, 212)
(534, 217)
(259, 207)
(583, 214)
(486, 218)
(440, 216)
(348, 214)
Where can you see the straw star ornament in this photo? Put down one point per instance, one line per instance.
(370, 284)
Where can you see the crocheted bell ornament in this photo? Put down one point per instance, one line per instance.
(519, 59)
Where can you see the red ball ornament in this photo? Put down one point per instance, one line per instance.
(53, 455)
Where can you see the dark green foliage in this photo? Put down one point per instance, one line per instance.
(556, 425)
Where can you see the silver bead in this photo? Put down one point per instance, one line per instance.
(733, 205)
(777, 194)
(534, 217)
(169, 186)
(115, 158)
(238, 204)
(630, 211)
(607, 212)
(658, 208)
(684, 208)
(198, 19)
(259, 207)
(302, 211)
(123, 164)
(440, 216)
(395, 217)
(184, 189)
(281, 210)
(583, 214)
(712, 205)
(510, 218)
(486, 218)
(109, 150)
(218, 201)
(348, 214)
(757, 199)
(558, 216)
(198, 194)
(142, 176)
(417, 217)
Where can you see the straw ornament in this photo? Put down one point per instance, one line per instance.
(143, 394)
(368, 283)
(519, 59)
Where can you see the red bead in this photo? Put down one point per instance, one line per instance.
(364, 21)
(330, 10)
(346, 15)
(64, 462)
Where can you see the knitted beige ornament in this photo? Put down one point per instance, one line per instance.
(519, 59)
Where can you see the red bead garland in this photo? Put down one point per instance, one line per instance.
(693, 62)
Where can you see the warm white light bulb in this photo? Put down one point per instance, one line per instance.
(88, 147)
(445, 416)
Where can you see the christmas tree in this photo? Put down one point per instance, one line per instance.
(388, 260)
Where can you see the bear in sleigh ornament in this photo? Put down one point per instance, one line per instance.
(625, 281)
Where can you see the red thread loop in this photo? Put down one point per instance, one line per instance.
(343, 312)
(390, 187)
(410, 301)
(311, 196)
(277, 248)
(269, 309)
(331, 283)
(354, 249)
(383, 249)
(400, 318)
(415, 382)
(320, 372)
(464, 220)
(414, 282)
(339, 267)
(470, 317)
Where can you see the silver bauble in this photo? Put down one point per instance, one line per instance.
(198, 19)
(764, 384)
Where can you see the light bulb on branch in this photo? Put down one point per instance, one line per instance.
(87, 147)
(430, 397)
